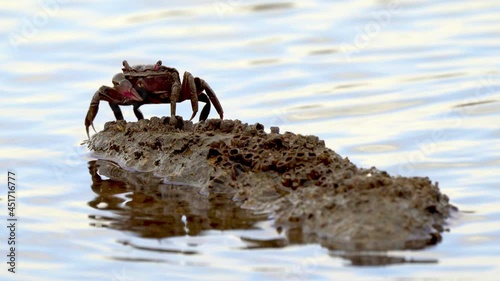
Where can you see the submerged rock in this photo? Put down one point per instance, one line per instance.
(305, 186)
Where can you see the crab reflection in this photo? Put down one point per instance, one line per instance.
(148, 207)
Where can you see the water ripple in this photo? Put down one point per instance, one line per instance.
(413, 91)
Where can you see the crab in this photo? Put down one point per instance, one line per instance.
(153, 84)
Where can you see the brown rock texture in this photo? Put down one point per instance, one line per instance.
(306, 187)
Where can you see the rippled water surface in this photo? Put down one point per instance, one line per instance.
(411, 87)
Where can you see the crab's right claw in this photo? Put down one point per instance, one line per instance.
(123, 94)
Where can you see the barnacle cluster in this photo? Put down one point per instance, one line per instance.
(299, 161)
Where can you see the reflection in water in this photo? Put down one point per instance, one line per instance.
(145, 205)
(150, 208)
(271, 7)
(323, 52)
(475, 103)
(370, 259)
(157, 15)
(143, 248)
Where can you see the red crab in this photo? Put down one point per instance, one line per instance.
(146, 84)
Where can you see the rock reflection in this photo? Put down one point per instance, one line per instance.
(369, 259)
(143, 248)
(146, 206)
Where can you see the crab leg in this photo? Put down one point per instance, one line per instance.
(206, 109)
(189, 91)
(174, 97)
(213, 98)
(116, 111)
(192, 88)
(121, 94)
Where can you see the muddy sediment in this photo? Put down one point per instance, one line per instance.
(305, 187)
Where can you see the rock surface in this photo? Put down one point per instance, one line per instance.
(305, 186)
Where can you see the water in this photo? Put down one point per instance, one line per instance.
(410, 87)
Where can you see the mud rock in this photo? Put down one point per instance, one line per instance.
(301, 183)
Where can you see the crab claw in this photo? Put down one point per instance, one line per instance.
(122, 94)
